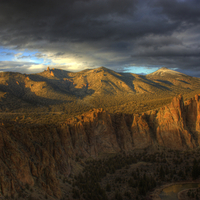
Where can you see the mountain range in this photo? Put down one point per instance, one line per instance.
(69, 93)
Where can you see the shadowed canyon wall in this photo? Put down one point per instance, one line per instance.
(36, 155)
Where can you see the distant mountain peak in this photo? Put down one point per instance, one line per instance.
(163, 71)
(103, 68)
(163, 68)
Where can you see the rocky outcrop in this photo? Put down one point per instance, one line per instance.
(37, 155)
(171, 129)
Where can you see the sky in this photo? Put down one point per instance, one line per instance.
(138, 36)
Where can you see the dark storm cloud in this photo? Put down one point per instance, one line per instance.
(60, 20)
(182, 10)
(113, 33)
(159, 42)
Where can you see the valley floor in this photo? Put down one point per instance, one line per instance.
(182, 195)
(135, 176)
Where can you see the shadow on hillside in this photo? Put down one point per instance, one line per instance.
(59, 90)
(63, 84)
(184, 82)
(152, 83)
(113, 85)
(25, 94)
(128, 78)
(165, 82)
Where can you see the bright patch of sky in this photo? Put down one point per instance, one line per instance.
(22, 56)
(140, 70)
(34, 60)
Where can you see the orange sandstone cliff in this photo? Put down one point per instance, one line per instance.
(37, 155)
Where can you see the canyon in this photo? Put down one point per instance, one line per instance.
(38, 156)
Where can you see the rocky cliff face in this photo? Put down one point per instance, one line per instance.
(36, 156)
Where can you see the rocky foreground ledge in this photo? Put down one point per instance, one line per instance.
(38, 155)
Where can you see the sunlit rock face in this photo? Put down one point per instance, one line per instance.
(171, 130)
(36, 155)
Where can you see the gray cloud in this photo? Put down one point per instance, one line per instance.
(112, 33)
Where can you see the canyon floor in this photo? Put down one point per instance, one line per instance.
(141, 174)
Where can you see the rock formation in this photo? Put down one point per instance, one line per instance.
(36, 155)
